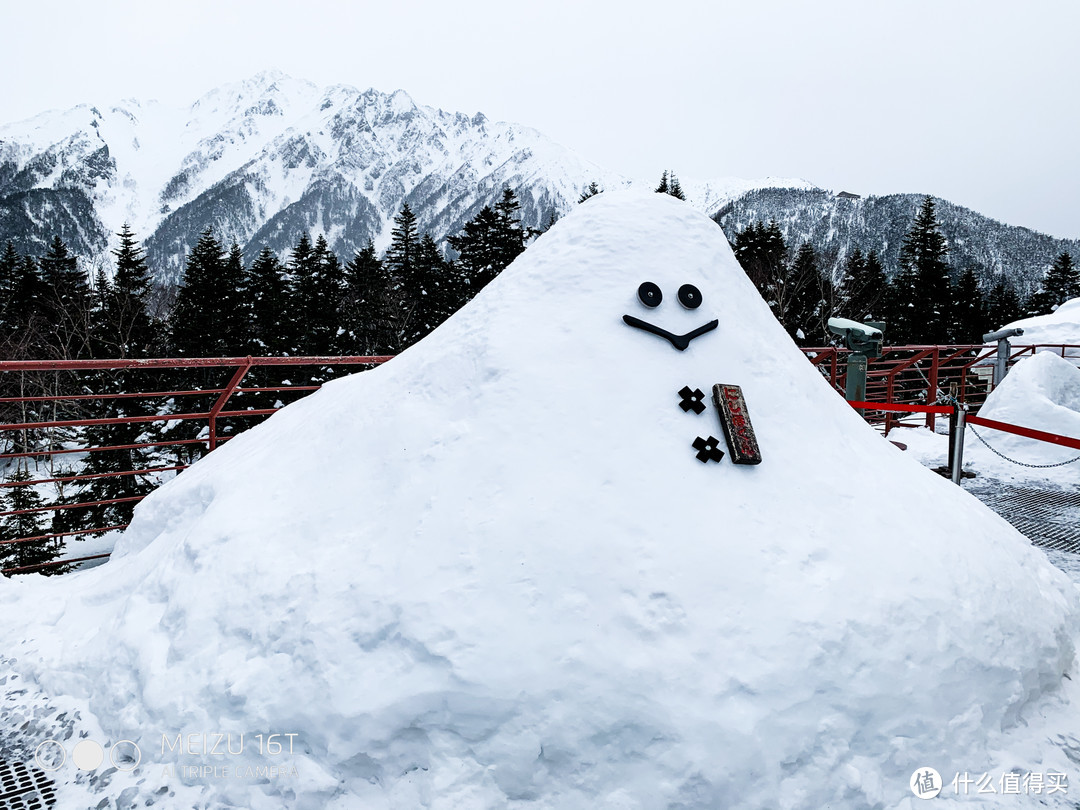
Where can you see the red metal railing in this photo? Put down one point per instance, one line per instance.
(213, 416)
(908, 379)
(916, 375)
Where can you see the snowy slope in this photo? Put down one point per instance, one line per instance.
(264, 159)
(492, 574)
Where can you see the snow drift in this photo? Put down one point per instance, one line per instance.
(492, 573)
(1041, 392)
(1060, 326)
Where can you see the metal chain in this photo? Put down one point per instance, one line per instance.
(1021, 463)
(944, 398)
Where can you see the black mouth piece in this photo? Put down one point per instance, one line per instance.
(680, 342)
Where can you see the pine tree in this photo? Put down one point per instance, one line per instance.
(126, 330)
(404, 243)
(922, 259)
(26, 322)
(367, 304)
(553, 217)
(318, 282)
(874, 288)
(195, 321)
(266, 291)
(509, 237)
(800, 298)
(478, 248)
(898, 304)
(330, 278)
(676, 190)
(488, 243)
(195, 330)
(669, 184)
(762, 253)
(1061, 283)
(590, 190)
(401, 263)
(1003, 306)
(10, 315)
(435, 299)
(862, 287)
(234, 325)
(29, 524)
(101, 335)
(299, 272)
(65, 300)
(969, 310)
(114, 461)
(122, 307)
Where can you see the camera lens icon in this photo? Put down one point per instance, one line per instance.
(50, 755)
(124, 755)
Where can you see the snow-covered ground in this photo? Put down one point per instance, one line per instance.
(493, 574)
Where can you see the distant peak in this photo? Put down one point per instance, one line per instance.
(266, 78)
(400, 102)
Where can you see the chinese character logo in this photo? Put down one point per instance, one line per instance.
(925, 783)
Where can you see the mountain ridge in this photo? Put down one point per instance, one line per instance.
(266, 158)
(835, 225)
(263, 159)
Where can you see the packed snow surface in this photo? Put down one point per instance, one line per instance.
(492, 574)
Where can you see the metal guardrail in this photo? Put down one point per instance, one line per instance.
(960, 420)
(917, 374)
(213, 416)
(904, 379)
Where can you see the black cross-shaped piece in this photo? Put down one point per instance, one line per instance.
(691, 400)
(708, 449)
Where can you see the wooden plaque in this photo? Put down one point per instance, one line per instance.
(738, 430)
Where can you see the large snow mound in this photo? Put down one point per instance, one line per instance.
(1062, 326)
(492, 573)
(1040, 392)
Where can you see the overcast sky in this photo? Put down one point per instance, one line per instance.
(975, 102)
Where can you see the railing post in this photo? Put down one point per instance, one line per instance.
(890, 380)
(224, 397)
(932, 385)
(959, 424)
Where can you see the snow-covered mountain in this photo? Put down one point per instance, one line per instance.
(835, 224)
(264, 159)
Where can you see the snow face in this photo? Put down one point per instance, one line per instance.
(493, 573)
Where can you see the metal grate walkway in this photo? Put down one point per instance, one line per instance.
(24, 788)
(1049, 518)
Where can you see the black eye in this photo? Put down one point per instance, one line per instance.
(650, 294)
(689, 296)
